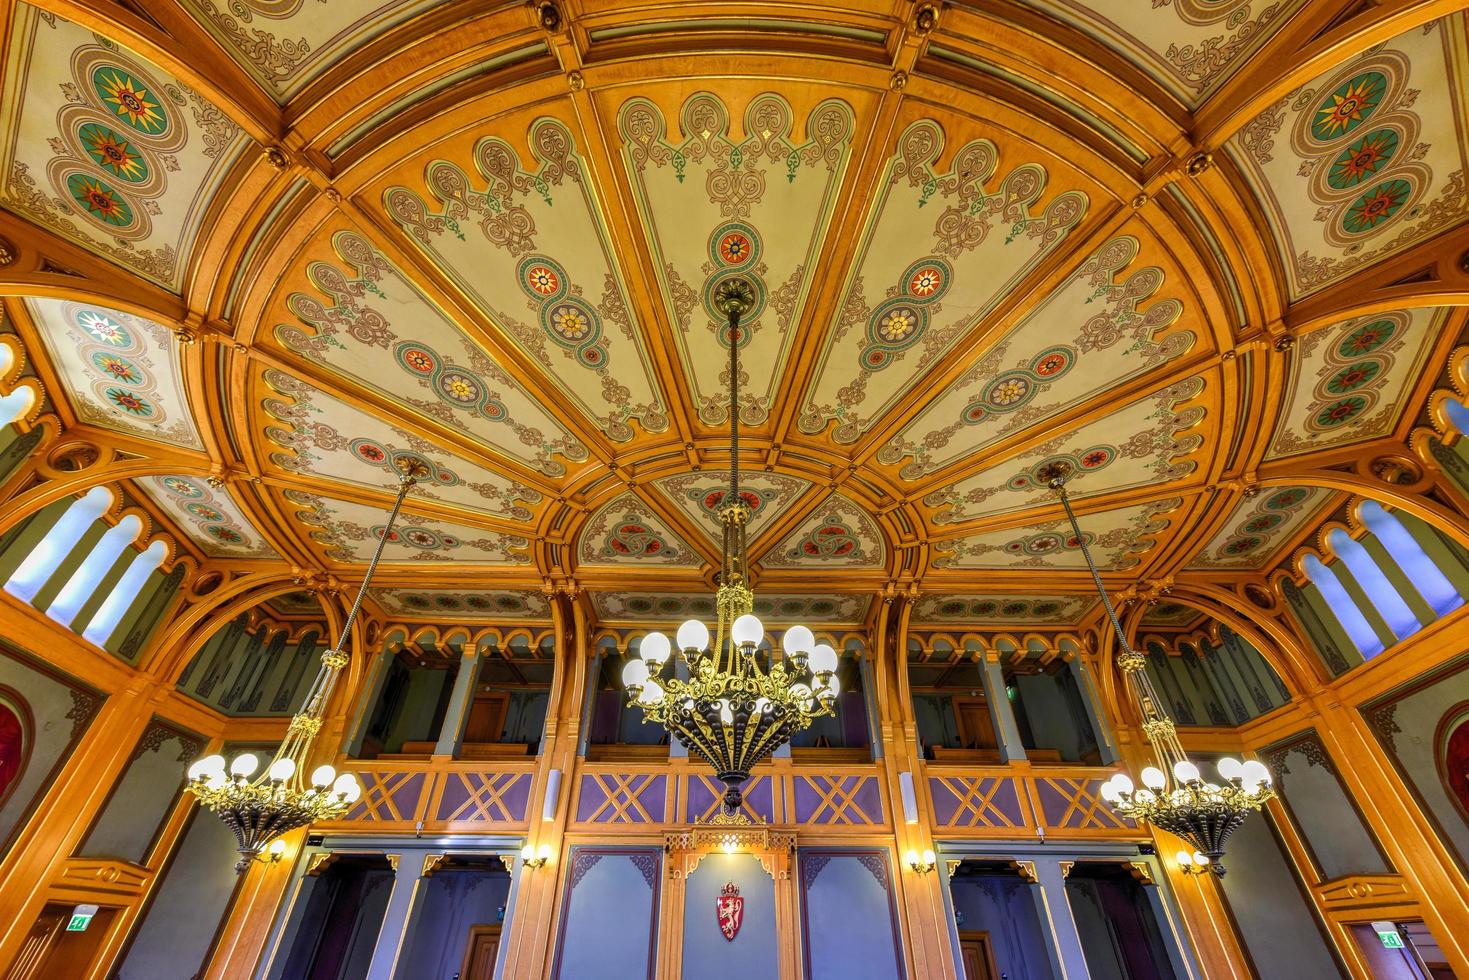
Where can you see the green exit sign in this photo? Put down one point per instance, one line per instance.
(1388, 935)
(81, 917)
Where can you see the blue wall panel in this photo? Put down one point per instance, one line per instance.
(849, 922)
(609, 917)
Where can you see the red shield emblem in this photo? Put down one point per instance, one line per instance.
(730, 906)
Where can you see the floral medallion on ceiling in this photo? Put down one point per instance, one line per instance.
(1367, 159)
(1156, 442)
(627, 531)
(940, 250)
(1348, 381)
(1260, 526)
(372, 326)
(1116, 539)
(107, 150)
(513, 606)
(1190, 50)
(323, 437)
(647, 607)
(209, 517)
(701, 495)
(350, 532)
(286, 43)
(1049, 610)
(1047, 363)
(537, 236)
(838, 534)
(715, 205)
(120, 371)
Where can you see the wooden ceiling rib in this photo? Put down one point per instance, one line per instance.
(1034, 236)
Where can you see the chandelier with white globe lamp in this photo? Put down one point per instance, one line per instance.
(1174, 794)
(731, 710)
(259, 806)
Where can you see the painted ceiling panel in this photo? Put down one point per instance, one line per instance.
(1103, 326)
(286, 43)
(1260, 526)
(1170, 614)
(350, 532)
(508, 606)
(838, 534)
(948, 237)
(1159, 431)
(1063, 610)
(746, 189)
(626, 531)
(121, 371)
(366, 321)
(301, 603)
(210, 517)
(323, 437)
(1367, 159)
(1115, 538)
(107, 150)
(674, 608)
(701, 495)
(1347, 381)
(1189, 46)
(528, 241)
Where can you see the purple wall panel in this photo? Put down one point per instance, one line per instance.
(388, 796)
(610, 798)
(837, 799)
(957, 798)
(484, 796)
(704, 793)
(1075, 804)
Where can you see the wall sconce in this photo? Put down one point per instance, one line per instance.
(274, 852)
(921, 865)
(533, 858)
(1196, 863)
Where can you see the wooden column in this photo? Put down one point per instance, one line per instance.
(61, 818)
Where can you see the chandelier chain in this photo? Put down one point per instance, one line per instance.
(734, 407)
(405, 483)
(1059, 485)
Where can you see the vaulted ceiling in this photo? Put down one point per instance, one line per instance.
(1152, 246)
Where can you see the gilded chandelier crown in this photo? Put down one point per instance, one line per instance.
(726, 706)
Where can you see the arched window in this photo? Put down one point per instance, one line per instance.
(1451, 750)
(1390, 605)
(1357, 628)
(16, 404)
(1421, 570)
(1458, 414)
(84, 581)
(47, 556)
(124, 594)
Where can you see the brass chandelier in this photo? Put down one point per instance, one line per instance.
(1174, 795)
(731, 710)
(277, 801)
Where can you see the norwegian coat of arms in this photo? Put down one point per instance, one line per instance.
(730, 906)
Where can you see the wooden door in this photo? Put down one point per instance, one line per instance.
(479, 956)
(976, 727)
(486, 717)
(977, 956)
